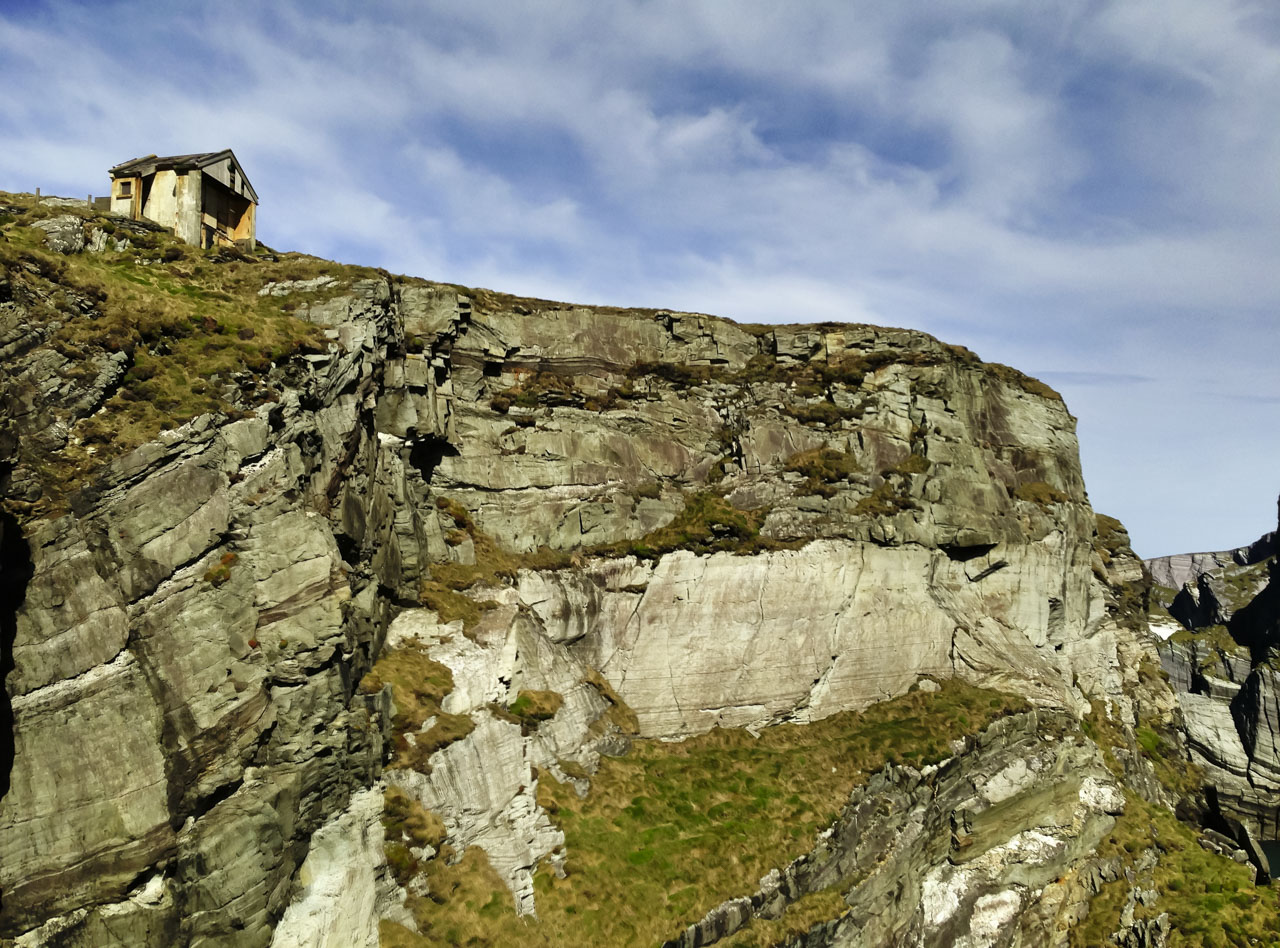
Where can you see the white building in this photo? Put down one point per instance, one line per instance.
(205, 198)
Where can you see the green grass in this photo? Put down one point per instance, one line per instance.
(418, 685)
(1157, 743)
(536, 706)
(1211, 900)
(197, 335)
(529, 709)
(407, 826)
(800, 916)
(1041, 494)
(707, 524)
(1110, 538)
(1031, 386)
(673, 829)
(823, 469)
(539, 390)
(888, 499)
(443, 591)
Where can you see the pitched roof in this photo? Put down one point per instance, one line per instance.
(150, 164)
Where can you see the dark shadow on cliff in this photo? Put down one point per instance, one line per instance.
(1257, 625)
(15, 573)
(426, 454)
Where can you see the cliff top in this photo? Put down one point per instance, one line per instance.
(147, 334)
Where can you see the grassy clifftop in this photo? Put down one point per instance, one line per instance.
(143, 335)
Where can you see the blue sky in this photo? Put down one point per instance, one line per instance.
(1089, 191)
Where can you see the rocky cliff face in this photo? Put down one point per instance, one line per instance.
(183, 652)
(1222, 662)
(274, 666)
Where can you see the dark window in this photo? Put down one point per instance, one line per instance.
(126, 189)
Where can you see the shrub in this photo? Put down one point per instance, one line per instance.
(823, 468)
(1040, 493)
(1031, 386)
(681, 376)
(821, 413)
(885, 501)
(649, 490)
(222, 572)
(530, 709)
(914, 464)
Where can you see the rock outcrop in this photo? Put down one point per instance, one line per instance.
(991, 847)
(184, 646)
(1222, 663)
(1177, 570)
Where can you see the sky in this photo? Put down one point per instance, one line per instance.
(1088, 191)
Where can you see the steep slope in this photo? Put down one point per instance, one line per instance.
(1222, 661)
(328, 592)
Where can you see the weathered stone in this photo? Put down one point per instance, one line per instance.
(87, 808)
(62, 234)
(342, 888)
(1225, 681)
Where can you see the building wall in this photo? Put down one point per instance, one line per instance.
(222, 173)
(248, 226)
(162, 201)
(125, 206)
(187, 211)
(195, 204)
(227, 216)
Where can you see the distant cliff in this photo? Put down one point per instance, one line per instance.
(1223, 627)
(343, 607)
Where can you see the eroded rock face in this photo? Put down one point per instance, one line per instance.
(991, 847)
(485, 785)
(752, 526)
(1222, 662)
(695, 642)
(342, 886)
(183, 657)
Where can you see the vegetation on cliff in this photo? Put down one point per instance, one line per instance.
(1212, 901)
(158, 332)
(670, 830)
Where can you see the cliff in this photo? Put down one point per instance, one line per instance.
(341, 607)
(1223, 631)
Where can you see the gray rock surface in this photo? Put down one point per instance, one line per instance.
(182, 681)
(63, 234)
(343, 884)
(744, 526)
(1223, 668)
(1177, 570)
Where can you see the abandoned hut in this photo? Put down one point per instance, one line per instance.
(205, 198)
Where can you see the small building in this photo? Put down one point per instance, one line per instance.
(205, 198)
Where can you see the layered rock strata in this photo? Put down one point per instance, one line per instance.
(744, 525)
(184, 651)
(1223, 666)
